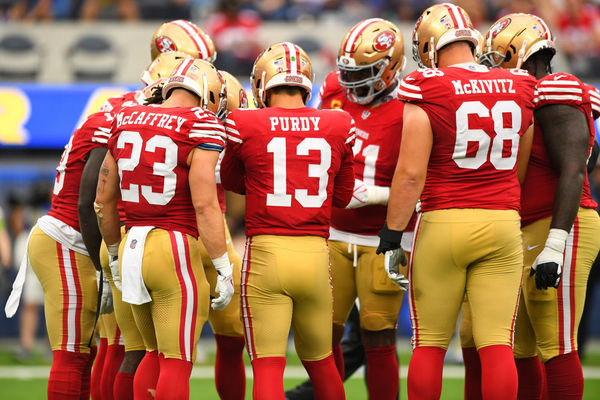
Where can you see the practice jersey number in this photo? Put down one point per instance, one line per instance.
(162, 169)
(465, 134)
(280, 197)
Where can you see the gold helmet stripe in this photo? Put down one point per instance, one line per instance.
(196, 38)
(356, 33)
(457, 17)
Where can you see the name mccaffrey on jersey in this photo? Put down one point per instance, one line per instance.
(161, 120)
(295, 124)
(474, 86)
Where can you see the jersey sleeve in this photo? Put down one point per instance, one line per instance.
(559, 89)
(207, 131)
(409, 89)
(344, 180)
(594, 100)
(99, 125)
(232, 167)
(331, 92)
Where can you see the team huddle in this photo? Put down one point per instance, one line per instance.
(464, 185)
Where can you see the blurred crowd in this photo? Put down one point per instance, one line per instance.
(576, 23)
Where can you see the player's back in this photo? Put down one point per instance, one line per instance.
(94, 132)
(477, 117)
(541, 180)
(296, 164)
(151, 146)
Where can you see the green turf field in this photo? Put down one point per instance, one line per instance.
(202, 387)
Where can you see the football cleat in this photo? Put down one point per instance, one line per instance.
(236, 95)
(163, 66)
(370, 59)
(203, 79)
(281, 64)
(437, 27)
(184, 36)
(512, 39)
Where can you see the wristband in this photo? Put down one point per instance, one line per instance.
(113, 249)
(378, 194)
(221, 262)
(557, 239)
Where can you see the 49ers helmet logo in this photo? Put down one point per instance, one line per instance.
(164, 44)
(243, 99)
(384, 41)
(499, 27)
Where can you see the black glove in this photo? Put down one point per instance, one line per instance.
(388, 239)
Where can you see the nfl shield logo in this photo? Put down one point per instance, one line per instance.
(366, 114)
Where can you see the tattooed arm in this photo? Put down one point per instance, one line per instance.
(87, 193)
(107, 195)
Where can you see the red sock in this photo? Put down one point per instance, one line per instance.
(230, 375)
(425, 373)
(472, 373)
(564, 377)
(338, 357)
(123, 389)
(383, 378)
(97, 370)
(531, 376)
(67, 369)
(174, 379)
(325, 379)
(544, 383)
(268, 378)
(86, 376)
(112, 363)
(498, 373)
(146, 376)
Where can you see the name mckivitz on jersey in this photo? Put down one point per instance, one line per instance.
(473, 86)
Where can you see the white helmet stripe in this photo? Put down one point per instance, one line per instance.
(198, 41)
(356, 33)
(183, 67)
(291, 54)
(457, 16)
(548, 31)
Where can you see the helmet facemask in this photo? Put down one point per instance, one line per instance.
(362, 83)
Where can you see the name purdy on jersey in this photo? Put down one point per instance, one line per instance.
(294, 124)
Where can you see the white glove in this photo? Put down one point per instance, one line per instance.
(364, 195)
(113, 263)
(547, 267)
(224, 282)
(393, 259)
(106, 300)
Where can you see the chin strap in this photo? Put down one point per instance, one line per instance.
(432, 52)
(521, 54)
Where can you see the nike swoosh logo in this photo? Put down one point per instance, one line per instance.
(529, 248)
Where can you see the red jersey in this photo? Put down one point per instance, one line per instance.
(376, 148)
(540, 182)
(594, 100)
(151, 146)
(292, 164)
(477, 116)
(94, 132)
(127, 99)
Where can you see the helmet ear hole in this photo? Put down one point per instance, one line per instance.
(508, 56)
(212, 98)
(426, 48)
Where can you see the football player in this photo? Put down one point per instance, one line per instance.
(188, 40)
(122, 359)
(560, 225)
(370, 59)
(463, 127)
(293, 164)
(57, 254)
(161, 163)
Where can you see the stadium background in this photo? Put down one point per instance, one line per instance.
(55, 71)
